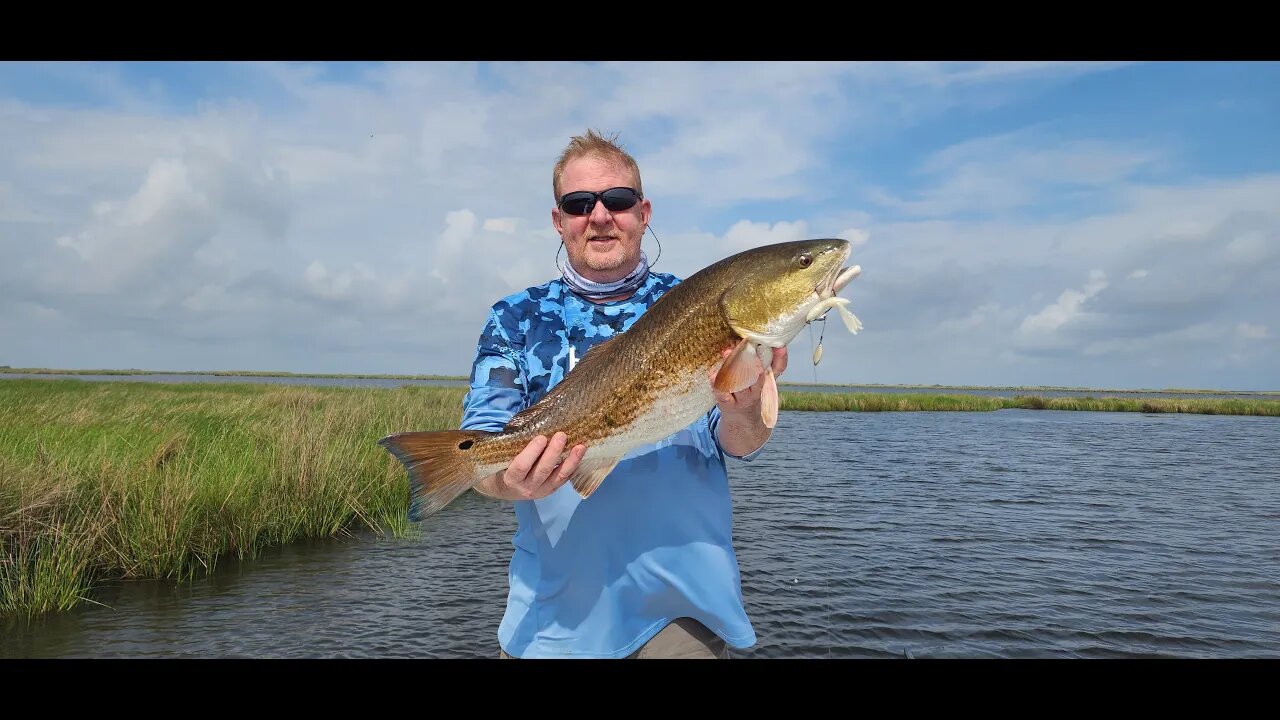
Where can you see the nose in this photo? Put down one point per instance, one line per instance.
(600, 215)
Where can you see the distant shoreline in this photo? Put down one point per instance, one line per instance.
(881, 386)
(1036, 388)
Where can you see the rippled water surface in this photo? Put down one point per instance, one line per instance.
(1016, 533)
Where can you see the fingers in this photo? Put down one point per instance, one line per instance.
(533, 473)
(547, 463)
(748, 395)
(523, 462)
(567, 468)
(744, 397)
(779, 361)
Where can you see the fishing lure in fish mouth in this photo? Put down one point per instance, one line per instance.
(817, 351)
(818, 313)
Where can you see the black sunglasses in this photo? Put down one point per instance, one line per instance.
(615, 199)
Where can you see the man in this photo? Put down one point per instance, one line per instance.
(645, 567)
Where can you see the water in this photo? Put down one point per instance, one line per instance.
(1010, 534)
(389, 382)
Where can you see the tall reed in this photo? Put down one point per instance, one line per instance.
(149, 480)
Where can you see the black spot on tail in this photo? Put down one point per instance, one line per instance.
(466, 444)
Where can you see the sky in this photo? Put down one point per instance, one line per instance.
(1105, 225)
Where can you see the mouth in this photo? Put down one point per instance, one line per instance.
(825, 294)
(836, 280)
(845, 276)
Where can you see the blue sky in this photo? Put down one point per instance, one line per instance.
(1086, 224)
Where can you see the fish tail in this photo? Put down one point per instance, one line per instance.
(442, 465)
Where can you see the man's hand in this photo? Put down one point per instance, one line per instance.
(533, 474)
(747, 401)
(742, 429)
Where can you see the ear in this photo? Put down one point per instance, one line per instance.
(556, 219)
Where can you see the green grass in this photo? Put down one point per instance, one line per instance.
(226, 373)
(133, 480)
(136, 479)
(1031, 389)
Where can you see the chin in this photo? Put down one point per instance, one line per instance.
(608, 260)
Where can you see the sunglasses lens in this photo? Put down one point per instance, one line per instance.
(618, 199)
(578, 203)
(614, 199)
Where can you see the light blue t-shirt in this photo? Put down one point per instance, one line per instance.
(597, 578)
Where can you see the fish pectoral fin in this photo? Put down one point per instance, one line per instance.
(739, 370)
(769, 399)
(590, 473)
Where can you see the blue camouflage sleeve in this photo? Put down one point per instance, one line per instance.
(497, 378)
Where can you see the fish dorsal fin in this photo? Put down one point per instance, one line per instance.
(592, 472)
(740, 369)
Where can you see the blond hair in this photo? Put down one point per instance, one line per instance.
(593, 144)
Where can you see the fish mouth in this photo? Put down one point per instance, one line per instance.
(844, 277)
(825, 295)
(837, 279)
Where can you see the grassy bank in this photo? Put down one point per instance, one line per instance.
(137, 479)
(129, 480)
(1029, 389)
(227, 373)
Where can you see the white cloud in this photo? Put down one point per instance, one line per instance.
(984, 316)
(1043, 326)
(1251, 247)
(341, 283)
(1250, 331)
(502, 225)
(856, 236)
(744, 234)
(1145, 347)
(1009, 172)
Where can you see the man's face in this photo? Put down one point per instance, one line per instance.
(603, 246)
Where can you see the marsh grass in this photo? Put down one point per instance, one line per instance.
(226, 373)
(144, 480)
(881, 402)
(1196, 406)
(133, 480)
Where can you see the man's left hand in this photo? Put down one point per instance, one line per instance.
(747, 401)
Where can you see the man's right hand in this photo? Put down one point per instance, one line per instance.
(533, 473)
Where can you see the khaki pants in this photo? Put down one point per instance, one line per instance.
(685, 638)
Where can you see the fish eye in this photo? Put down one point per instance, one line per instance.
(805, 260)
